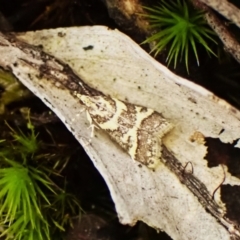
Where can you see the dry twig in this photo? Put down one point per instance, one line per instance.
(226, 9)
(231, 44)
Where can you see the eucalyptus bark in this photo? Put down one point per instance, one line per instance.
(156, 197)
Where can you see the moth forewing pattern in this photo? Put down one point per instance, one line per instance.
(138, 130)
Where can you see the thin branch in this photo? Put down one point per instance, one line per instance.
(226, 9)
(231, 45)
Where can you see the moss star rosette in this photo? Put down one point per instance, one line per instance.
(178, 28)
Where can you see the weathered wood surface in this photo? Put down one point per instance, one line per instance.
(170, 198)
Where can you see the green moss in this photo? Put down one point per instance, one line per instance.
(179, 28)
(32, 205)
(13, 90)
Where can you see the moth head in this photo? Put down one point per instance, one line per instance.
(98, 105)
(86, 100)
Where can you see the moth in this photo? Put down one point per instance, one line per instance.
(138, 130)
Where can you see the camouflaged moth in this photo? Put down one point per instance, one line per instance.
(138, 130)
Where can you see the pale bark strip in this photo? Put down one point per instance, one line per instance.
(25, 60)
(226, 9)
(231, 45)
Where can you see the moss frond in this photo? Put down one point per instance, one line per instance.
(178, 29)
